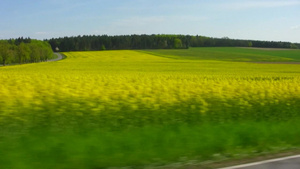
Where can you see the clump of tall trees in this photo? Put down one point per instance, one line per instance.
(105, 42)
(24, 50)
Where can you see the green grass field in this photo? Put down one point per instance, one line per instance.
(149, 108)
(231, 54)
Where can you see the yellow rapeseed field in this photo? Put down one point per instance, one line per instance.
(99, 82)
(129, 108)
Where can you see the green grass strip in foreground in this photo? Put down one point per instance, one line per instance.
(139, 147)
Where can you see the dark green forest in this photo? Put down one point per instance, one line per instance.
(24, 50)
(105, 42)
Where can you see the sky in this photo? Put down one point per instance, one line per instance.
(271, 20)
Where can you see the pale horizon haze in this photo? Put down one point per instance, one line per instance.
(270, 20)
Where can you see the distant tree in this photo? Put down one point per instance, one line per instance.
(7, 52)
(249, 44)
(34, 53)
(103, 47)
(177, 43)
(23, 53)
(294, 46)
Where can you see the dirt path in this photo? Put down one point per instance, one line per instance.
(59, 57)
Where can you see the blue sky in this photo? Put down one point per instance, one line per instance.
(273, 20)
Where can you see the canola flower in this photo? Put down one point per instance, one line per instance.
(131, 85)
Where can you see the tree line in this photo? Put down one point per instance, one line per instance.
(105, 42)
(24, 50)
